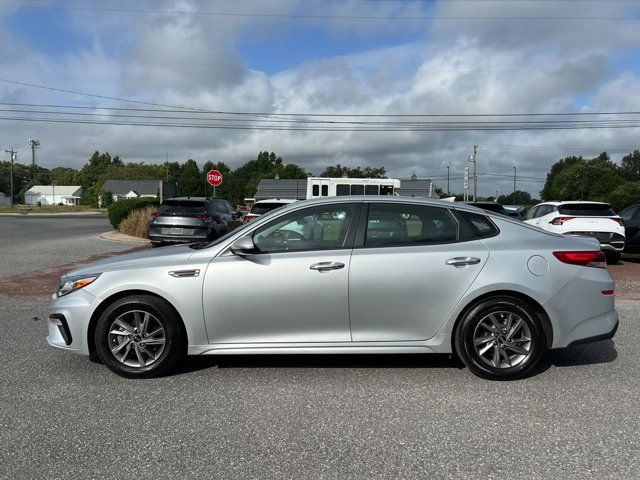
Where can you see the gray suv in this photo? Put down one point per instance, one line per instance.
(190, 219)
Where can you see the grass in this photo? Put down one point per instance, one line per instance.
(137, 222)
(24, 209)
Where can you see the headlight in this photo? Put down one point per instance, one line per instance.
(71, 284)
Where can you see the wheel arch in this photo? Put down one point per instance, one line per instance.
(547, 327)
(97, 313)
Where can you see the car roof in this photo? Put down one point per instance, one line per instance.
(276, 200)
(197, 199)
(571, 202)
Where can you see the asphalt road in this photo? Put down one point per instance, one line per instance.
(29, 243)
(297, 417)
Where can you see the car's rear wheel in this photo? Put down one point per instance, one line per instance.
(139, 336)
(500, 338)
(613, 257)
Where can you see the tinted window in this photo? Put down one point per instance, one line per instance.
(317, 228)
(480, 225)
(628, 213)
(182, 206)
(390, 224)
(342, 190)
(386, 190)
(371, 190)
(219, 206)
(262, 208)
(325, 190)
(357, 189)
(315, 191)
(229, 208)
(586, 210)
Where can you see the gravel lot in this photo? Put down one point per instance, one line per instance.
(62, 416)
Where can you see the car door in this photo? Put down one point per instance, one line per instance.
(408, 271)
(293, 289)
(631, 217)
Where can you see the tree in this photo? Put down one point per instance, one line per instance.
(339, 171)
(625, 196)
(630, 167)
(92, 173)
(522, 198)
(190, 183)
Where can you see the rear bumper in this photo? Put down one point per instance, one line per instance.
(597, 338)
(609, 241)
(177, 238)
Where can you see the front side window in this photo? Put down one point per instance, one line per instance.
(316, 228)
(386, 189)
(400, 224)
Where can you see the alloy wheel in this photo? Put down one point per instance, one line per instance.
(136, 338)
(502, 339)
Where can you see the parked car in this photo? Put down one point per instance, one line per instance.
(515, 211)
(489, 206)
(589, 219)
(190, 219)
(262, 207)
(373, 275)
(631, 218)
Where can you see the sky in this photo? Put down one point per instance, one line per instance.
(310, 57)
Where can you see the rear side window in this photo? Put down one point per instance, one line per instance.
(628, 213)
(325, 190)
(315, 191)
(182, 206)
(399, 224)
(371, 190)
(587, 210)
(480, 226)
(262, 208)
(357, 189)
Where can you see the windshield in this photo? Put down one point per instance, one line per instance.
(587, 210)
(182, 206)
(262, 208)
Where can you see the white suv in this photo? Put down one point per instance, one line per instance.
(262, 207)
(591, 219)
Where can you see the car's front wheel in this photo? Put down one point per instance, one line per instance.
(139, 336)
(500, 338)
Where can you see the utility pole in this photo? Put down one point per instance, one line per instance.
(475, 173)
(12, 157)
(35, 145)
(448, 180)
(515, 170)
(465, 195)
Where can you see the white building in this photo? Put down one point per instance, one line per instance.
(53, 195)
(4, 199)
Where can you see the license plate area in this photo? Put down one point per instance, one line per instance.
(176, 231)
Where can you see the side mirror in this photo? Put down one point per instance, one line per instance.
(243, 246)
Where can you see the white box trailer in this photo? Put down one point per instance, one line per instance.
(318, 187)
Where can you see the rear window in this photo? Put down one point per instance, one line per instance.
(262, 208)
(587, 210)
(182, 206)
(479, 225)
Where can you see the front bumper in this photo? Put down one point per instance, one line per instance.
(68, 322)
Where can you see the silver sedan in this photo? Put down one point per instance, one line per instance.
(345, 275)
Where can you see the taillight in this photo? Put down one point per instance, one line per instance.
(248, 218)
(155, 214)
(619, 220)
(584, 259)
(560, 220)
(203, 217)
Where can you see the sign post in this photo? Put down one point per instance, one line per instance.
(214, 177)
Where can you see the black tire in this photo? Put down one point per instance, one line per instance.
(469, 328)
(613, 257)
(174, 346)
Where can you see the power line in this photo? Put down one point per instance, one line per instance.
(310, 16)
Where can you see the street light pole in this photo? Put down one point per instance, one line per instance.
(12, 156)
(515, 170)
(448, 180)
(475, 173)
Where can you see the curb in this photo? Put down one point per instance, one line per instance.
(116, 236)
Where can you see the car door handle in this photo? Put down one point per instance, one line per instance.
(462, 261)
(324, 266)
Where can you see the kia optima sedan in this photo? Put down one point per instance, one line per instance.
(345, 275)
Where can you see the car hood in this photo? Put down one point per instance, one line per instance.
(173, 254)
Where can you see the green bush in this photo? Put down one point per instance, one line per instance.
(119, 210)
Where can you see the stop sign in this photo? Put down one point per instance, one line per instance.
(214, 177)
